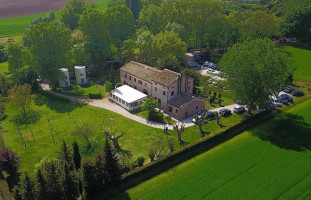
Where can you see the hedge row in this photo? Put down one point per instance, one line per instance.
(53, 95)
(95, 96)
(155, 168)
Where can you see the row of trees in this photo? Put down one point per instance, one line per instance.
(66, 178)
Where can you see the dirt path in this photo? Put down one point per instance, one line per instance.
(106, 104)
(16, 8)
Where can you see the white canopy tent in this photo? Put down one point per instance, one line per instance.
(127, 97)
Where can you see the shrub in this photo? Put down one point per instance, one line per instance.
(140, 161)
(108, 86)
(95, 96)
(168, 119)
(155, 116)
(151, 155)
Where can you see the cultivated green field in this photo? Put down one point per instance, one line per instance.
(302, 59)
(271, 161)
(4, 67)
(16, 25)
(135, 142)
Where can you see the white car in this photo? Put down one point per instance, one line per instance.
(276, 101)
(238, 109)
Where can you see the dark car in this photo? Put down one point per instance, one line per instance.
(284, 101)
(287, 97)
(225, 112)
(289, 90)
(297, 93)
(210, 115)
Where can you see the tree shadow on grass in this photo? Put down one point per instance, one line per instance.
(30, 117)
(124, 152)
(289, 131)
(57, 105)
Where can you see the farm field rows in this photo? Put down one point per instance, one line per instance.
(16, 25)
(271, 161)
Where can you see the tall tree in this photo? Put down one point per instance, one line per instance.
(9, 161)
(40, 186)
(20, 97)
(65, 156)
(69, 184)
(255, 24)
(89, 175)
(76, 155)
(27, 188)
(297, 20)
(97, 38)
(111, 164)
(51, 170)
(71, 12)
(120, 23)
(49, 42)
(256, 70)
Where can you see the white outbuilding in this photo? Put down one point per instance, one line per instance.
(80, 74)
(64, 80)
(127, 97)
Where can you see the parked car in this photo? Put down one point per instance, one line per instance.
(270, 106)
(238, 109)
(211, 65)
(287, 97)
(276, 101)
(39, 80)
(225, 112)
(210, 115)
(289, 90)
(284, 101)
(297, 93)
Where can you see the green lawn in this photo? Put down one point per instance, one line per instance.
(302, 59)
(4, 67)
(135, 142)
(271, 161)
(16, 25)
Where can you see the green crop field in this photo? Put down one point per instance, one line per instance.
(271, 161)
(302, 59)
(135, 142)
(17, 25)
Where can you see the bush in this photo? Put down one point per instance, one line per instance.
(140, 161)
(168, 119)
(151, 155)
(108, 86)
(155, 117)
(95, 96)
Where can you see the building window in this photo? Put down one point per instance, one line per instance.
(130, 78)
(134, 79)
(155, 89)
(140, 82)
(164, 93)
(176, 110)
(127, 104)
(81, 74)
(188, 87)
(197, 107)
(170, 109)
(125, 75)
(145, 84)
(172, 93)
(123, 102)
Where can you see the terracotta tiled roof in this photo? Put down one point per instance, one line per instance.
(141, 71)
(182, 99)
(166, 77)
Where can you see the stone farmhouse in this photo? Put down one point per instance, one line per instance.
(172, 90)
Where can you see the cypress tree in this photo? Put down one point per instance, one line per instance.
(52, 174)
(69, 184)
(111, 164)
(65, 156)
(100, 170)
(27, 188)
(76, 155)
(40, 186)
(89, 185)
(16, 193)
(112, 78)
